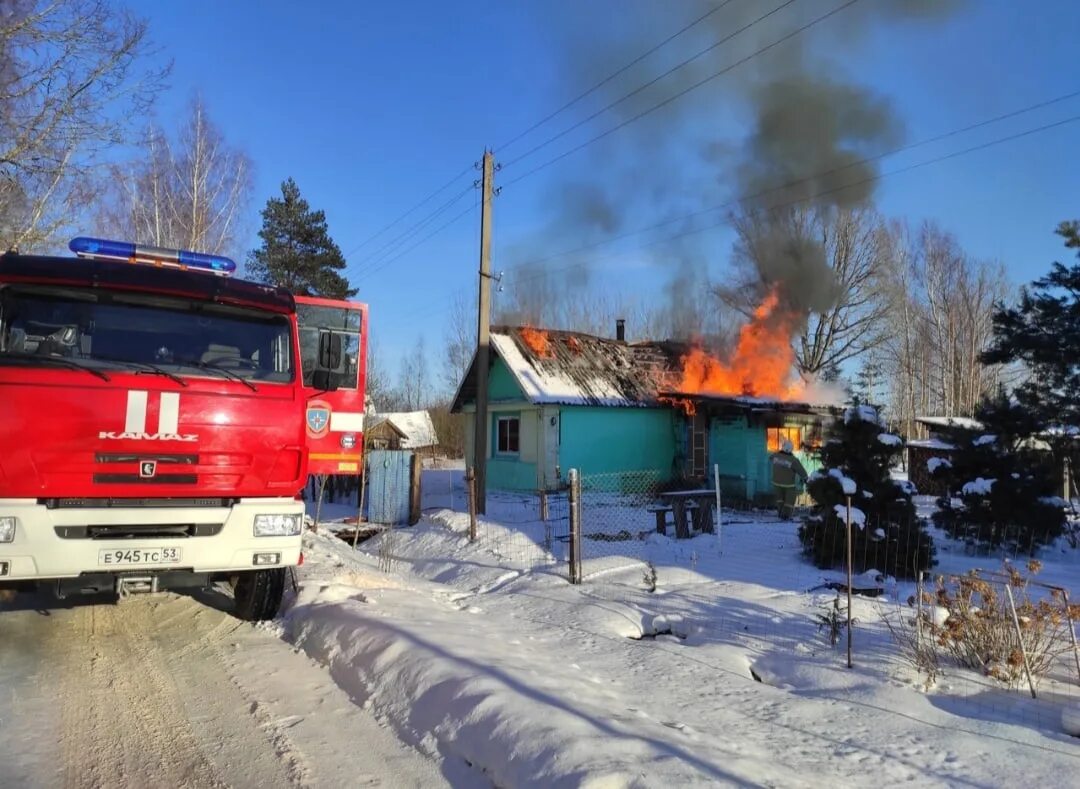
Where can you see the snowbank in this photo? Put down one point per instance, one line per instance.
(982, 441)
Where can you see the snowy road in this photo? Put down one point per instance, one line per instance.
(165, 691)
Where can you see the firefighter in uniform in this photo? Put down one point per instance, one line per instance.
(787, 474)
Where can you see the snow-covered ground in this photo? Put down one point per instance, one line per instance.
(169, 691)
(484, 654)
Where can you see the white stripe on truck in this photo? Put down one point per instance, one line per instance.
(346, 422)
(135, 420)
(169, 415)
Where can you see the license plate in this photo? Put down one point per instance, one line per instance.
(134, 557)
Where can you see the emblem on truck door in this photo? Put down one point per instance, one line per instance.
(318, 419)
(135, 419)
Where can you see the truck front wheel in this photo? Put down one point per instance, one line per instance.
(258, 594)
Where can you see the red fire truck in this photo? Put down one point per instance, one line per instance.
(153, 423)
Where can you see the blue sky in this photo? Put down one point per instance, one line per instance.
(371, 106)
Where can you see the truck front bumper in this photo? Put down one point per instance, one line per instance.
(68, 542)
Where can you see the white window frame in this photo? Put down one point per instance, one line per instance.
(498, 422)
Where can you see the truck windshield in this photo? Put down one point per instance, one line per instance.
(103, 329)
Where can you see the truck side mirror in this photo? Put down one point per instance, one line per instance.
(324, 377)
(329, 350)
(324, 381)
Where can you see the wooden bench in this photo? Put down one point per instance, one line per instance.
(661, 511)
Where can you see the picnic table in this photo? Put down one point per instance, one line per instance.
(698, 503)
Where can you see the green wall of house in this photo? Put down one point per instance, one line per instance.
(502, 387)
(741, 452)
(601, 440)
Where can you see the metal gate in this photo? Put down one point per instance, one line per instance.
(388, 486)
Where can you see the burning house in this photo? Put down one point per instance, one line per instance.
(559, 400)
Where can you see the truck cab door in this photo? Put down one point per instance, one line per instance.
(335, 417)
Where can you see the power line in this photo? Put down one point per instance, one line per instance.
(373, 260)
(456, 218)
(901, 170)
(683, 92)
(613, 75)
(650, 83)
(790, 184)
(834, 190)
(409, 212)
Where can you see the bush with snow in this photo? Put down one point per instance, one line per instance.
(1005, 486)
(887, 536)
(933, 464)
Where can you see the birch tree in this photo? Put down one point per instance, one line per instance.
(189, 192)
(940, 325)
(73, 84)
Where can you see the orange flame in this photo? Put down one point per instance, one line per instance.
(687, 406)
(538, 341)
(762, 364)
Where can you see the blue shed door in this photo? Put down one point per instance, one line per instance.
(388, 486)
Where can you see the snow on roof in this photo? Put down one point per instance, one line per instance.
(950, 421)
(932, 443)
(576, 370)
(416, 426)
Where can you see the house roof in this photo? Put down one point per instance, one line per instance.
(416, 428)
(963, 422)
(572, 368)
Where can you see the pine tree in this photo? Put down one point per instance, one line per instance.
(1043, 332)
(857, 457)
(297, 252)
(1001, 481)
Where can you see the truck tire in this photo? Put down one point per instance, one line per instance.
(257, 594)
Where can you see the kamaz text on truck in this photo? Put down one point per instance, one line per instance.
(153, 424)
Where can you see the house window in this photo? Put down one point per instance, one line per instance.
(508, 441)
(775, 437)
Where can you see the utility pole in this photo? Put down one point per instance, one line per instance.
(483, 335)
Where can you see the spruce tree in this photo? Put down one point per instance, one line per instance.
(856, 458)
(297, 252)
(1043, 333)
(1001, 481)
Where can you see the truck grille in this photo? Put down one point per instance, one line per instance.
(162, 474)
(135, 479)
(108, 503)
(139, 531)
(132, 457)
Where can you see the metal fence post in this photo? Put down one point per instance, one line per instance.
(719, 516)
(850, 580)
(1072, 629)
(575, 527)
(1020, 638)
(544, 506)
(470, 491)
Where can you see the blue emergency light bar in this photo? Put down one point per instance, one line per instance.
(156, 256)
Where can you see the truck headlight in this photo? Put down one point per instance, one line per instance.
(277, 525)
(7, 528)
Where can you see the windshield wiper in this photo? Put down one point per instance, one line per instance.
(224, 373)
(61, 360)
(147, 368)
